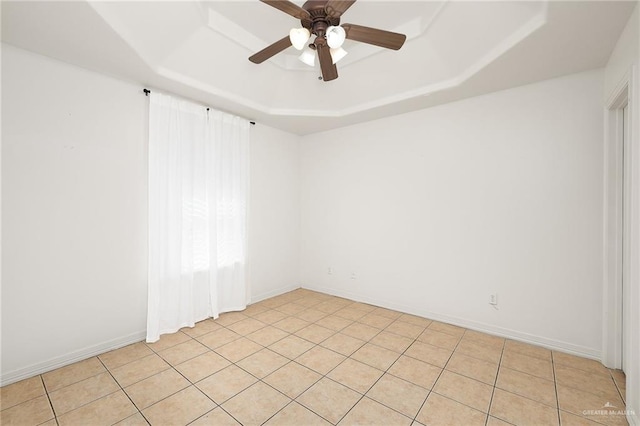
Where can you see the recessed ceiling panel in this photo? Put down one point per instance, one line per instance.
(200, 49)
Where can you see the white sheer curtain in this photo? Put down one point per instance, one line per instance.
(198, 186)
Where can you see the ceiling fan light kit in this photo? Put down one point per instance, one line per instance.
(308, 57)
(337, 53)
(321, 18)
(336, 36)
(299, 37)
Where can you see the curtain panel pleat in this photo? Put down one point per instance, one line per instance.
(198, 189)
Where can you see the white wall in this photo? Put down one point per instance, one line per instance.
(74, 213)
(437, 209)
(274, 224)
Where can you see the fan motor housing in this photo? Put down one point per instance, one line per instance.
(319, 21)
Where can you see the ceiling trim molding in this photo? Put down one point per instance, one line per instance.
(524, 31)
(209, 89)
(239, 35)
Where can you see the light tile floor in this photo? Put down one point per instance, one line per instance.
(306, 358)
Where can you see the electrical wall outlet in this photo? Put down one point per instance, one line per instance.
(493, 299)
(330, 271)
(353, 275)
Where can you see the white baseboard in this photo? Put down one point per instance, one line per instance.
(79, 355)
(470, 324)
(273, 293)
(43, 367)
(75, 356)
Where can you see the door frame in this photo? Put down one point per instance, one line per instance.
(618, 220)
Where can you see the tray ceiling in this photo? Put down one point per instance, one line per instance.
(199, 49)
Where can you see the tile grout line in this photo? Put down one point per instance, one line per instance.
(46, 392)
(468, 377)
(292, 400)
(525, 396)
(615, 383)
(441, 368)
(94, 400)
(326, 375)
(172, 367)
(555, 385)
(80, 381)
(232, 363)
(595, 420)
(258, 379)
(618, 387)
(495, 382)
(126, 394)
(394, 362)
(378, 379)
(213, 409)
(322, 376)
(415, 418)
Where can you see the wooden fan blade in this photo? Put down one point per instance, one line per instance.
(335, 8)
(288, 7)
(374, 36)
(270, 50)
(329, 70)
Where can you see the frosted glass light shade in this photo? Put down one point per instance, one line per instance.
(308, 57)
(335, 37)
(337, 54)
(299, 37)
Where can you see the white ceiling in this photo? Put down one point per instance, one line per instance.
(199, 50)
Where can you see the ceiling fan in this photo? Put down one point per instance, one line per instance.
(321, 18)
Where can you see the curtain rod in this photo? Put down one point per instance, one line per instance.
(147, 91)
